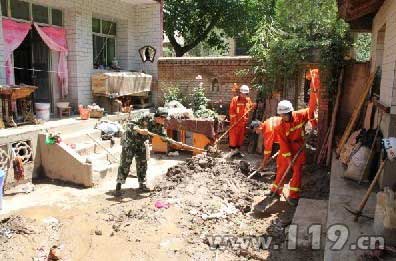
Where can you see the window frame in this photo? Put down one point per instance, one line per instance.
(106, 37)
(49, 9)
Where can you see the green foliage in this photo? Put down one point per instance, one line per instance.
(299, 31)
(206, 113)
(362, 47)
(199, 103)
(173, 93)
(211, 21)
(198, 98)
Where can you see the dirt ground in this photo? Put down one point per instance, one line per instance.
(197, 200)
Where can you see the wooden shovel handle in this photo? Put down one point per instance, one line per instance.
(370, 189)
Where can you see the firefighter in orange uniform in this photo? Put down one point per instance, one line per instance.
(290, 134)
(267, 128)
(314, 95)
(239, 107)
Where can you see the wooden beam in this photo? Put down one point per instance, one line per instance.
(381, 107)
(356, 113)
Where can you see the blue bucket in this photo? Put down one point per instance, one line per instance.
(2, 176)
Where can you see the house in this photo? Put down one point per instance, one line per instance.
(83, 37)
(378, 17)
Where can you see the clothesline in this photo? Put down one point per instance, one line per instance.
(37, 70)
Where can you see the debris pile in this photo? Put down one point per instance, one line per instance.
(218, 200)
(13, 225)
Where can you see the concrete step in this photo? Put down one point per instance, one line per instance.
(84, 149)
(82, 136)
(69, 126)
(105, 155)
(103, 170)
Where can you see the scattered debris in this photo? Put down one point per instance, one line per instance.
(54, 254)
(173, 154)
(15, 225)
(159, 204)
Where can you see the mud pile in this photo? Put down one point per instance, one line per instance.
(218, 199)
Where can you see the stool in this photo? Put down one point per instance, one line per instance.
(64, 112)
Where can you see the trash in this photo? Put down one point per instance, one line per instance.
(19, 171)
(193, 212)
(226, 210)
(52, 139)
(357, 164)
(159, 204)
(51, 221)
(54, 254)
(203, 163)
(28, 188)
(98, 232)
(6, 232)
(173, 153)
(109, 127)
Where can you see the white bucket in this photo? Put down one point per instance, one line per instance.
(43, 111)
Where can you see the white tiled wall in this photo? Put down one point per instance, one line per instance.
(137, 25)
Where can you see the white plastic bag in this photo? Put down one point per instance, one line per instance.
(357, 164)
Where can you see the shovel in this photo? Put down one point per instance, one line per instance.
(214, 147)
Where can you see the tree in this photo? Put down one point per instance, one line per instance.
(363, 47)
(210, 21)
(296, 31)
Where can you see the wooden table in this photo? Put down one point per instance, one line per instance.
(10, 94)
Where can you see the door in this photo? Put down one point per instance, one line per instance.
(32, 62)
(41, 67)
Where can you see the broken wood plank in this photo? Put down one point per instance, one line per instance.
(367, 117)
(334, 118)
(355, 114)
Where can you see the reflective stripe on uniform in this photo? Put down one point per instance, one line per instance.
(288, 154)
(266, 152)
(233, 115)
(299, 126)
(294, 189)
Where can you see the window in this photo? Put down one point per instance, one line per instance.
(40, 14)
(57, 17)
(23, 10)
(20, 10)
(4, 7)
(215, 85)
(104, 42)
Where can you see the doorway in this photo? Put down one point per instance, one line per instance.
(33, 63)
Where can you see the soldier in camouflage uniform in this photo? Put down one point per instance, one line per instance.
(133, 146)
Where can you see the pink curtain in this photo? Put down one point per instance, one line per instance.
(14, 33)
(55, 39)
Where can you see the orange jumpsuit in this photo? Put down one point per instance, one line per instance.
(314, 95)
(269, 138)
(238, 107)
(291, 137)
(268, 129)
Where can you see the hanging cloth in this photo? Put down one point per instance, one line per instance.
(14, 33)
(55, 39)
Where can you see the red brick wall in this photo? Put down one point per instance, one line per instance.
(182, 72)
(323, 114)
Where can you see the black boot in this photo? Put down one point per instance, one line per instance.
(143, 187)
(118, 189)
(292, 202)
